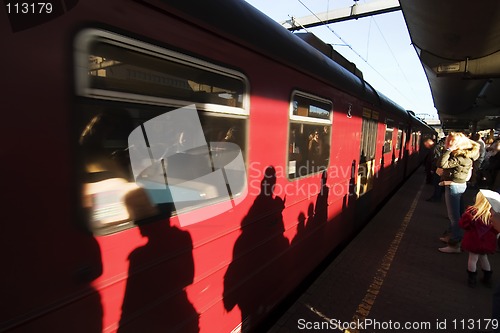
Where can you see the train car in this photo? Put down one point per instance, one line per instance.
(189, 164)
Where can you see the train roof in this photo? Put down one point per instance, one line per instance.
(239, 21)
(419, 122)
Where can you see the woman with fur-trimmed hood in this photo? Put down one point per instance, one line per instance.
(456, 167)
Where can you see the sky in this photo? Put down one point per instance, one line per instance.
(380, 46)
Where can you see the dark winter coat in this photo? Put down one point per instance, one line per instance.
(457, 164)
(478, 237)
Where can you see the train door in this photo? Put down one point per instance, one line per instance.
(400, 141)
(366, 170)
(388, 144)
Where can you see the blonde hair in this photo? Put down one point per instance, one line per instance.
(463, 142)
(481, 209)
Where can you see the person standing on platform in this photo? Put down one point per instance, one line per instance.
(436, 149)
(429, 158)
(476, 170)
(490, 167)
(456, 162)
(480, 239)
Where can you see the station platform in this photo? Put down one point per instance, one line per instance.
(392, 278)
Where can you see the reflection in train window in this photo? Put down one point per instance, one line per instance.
(157, 131)
(402, 140)
(309, 135)
(389, 129)
(399, 143)
(366, 169)
(112, 68)
(415, 140)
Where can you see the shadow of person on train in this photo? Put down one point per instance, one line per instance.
(39, 273)
(301, 229)
(318, 212)
(254, 279)
(155, 298)
(321, 206)
(66, 266)
(304, 224)
(88, 268)
(381, 171)
(350, 198)
(317, 216)
(310, 215)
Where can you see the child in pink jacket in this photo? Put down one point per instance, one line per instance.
(480, 239)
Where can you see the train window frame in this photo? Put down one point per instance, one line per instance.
(83, 87)
(404, 140)
(129, 100)
(369, 133)
(367, 151)
(388, 140)
(399, 140)
(294, 169)
(416, 137)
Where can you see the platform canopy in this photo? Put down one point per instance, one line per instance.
(458, 43)
(356, 11)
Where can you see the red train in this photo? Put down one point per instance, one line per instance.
(178, 166)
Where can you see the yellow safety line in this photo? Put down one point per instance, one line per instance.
(367, 302)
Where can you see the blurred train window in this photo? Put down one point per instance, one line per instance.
(110, 68)
(415, 138)
(366, 169)
(389, 129)
(368, 135)
(309, 135)
(159, 132)
(403, 140)
(399, 142)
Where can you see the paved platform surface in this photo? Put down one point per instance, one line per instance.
(392, 278)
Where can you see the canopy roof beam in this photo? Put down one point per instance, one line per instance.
(355, 11)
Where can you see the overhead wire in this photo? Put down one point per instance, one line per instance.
(359, 55)
(393, 55)
(329, 28)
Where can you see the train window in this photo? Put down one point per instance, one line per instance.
(368, 135)
(402, 142)
(389, 129)
(366, 170)
(309, 135)
(158, 132)
(416, 141)
(399, 143)
(108, 68)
